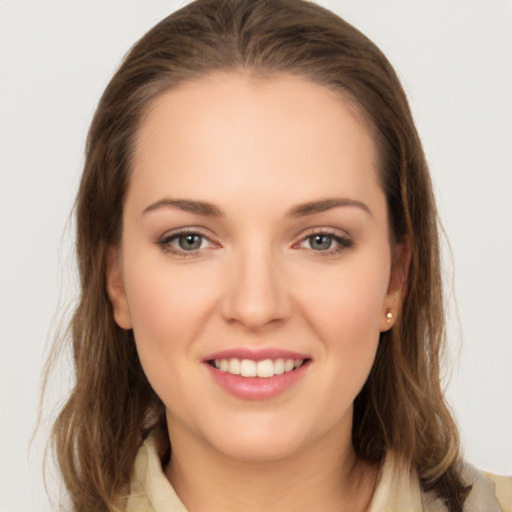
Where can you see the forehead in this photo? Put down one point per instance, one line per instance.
(239, 97)
(236, 128)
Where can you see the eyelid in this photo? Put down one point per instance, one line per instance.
(164, 241)
(343, 240)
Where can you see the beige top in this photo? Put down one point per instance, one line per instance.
(397, 490)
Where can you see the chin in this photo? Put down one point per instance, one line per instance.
(259, 448)
(253, 440)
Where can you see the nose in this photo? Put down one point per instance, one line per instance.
(256, 296)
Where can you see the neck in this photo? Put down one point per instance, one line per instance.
(327, 476)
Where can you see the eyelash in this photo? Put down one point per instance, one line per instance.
(166, 240)
(342, 243)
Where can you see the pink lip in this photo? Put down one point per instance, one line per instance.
(257, 388)
(255, 354)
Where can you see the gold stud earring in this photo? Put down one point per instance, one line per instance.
(389, 317)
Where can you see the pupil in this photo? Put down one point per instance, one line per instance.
(321, 242)
(190, 242)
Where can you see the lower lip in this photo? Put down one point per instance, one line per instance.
(257, 388)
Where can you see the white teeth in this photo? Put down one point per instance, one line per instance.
(247, 368)
(234, 366)
(289, 365)
(278, 366)
(263, 369)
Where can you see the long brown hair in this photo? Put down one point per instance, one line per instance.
(112, 407)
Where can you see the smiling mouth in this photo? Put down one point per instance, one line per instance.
(265, 368)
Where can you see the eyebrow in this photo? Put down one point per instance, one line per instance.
(187, 205)
(301, 210)
(313, 207)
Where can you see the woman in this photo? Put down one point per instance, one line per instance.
(261, 314)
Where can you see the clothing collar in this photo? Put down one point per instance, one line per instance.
(397, 489)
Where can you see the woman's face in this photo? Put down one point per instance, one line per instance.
(254, 240)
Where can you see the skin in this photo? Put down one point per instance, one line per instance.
(255, 149)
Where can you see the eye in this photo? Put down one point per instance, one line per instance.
(320, 242)
(326, 243)
(184, 243)
(189, 242)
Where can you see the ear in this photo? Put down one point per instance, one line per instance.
(116, 289)
(397, 285)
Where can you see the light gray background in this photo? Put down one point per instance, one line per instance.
(454, 58)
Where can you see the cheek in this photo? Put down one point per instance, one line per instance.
(344, 310)
(348, 321)
(168, 304)
(346, 304)
(169, 308)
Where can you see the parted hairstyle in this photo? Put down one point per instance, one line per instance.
(111, 407)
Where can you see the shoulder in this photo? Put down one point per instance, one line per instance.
(489, 492)
(503, 490)
(399, 490)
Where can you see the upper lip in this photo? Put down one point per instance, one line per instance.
(256, 354)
